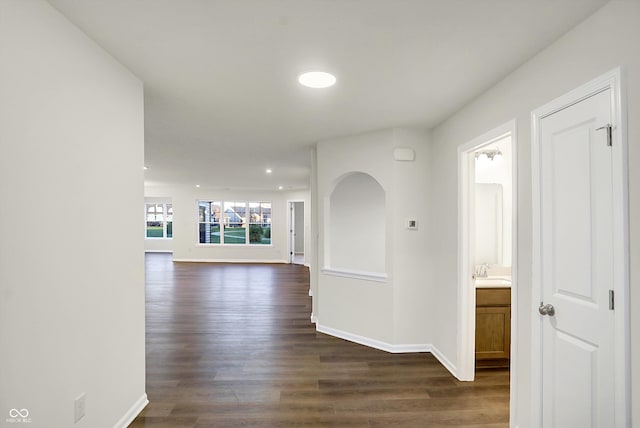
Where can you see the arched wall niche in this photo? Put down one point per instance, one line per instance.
(356, 232)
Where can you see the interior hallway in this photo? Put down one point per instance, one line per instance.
(232, 345)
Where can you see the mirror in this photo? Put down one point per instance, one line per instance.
(489, 223)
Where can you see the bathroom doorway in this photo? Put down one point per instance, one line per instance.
(487, 285)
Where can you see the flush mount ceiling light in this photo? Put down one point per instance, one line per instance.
(317, 79)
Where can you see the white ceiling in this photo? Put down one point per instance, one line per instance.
(222, 102)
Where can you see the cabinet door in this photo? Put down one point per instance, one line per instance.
(493, 332)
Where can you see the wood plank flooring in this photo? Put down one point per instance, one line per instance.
(232, 345)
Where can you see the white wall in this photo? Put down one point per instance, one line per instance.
(606, 40)
(71, 248)
(155, 245)
(393, 313)
(185, 224)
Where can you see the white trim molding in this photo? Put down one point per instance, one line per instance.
(388, 347)
(444, 361)
(372, 343)
(622, 349)
(231, 260)
(159, 251)
(355, 274)
(133, 412)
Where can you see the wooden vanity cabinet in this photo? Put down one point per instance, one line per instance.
(493, 327)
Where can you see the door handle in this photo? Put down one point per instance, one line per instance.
(547, 309)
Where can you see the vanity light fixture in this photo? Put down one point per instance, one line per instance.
(490, 154)
(317, 79)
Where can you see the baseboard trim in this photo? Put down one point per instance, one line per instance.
(310, 292)
(394, 349)
(133, 412)
(444, 361)
(314, 319)
(230, 260)
(159, 251)
(373, 343)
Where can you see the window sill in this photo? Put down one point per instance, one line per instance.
(199, 244)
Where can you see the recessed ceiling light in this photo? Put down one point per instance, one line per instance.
(269, 171)
(317, 79)
(280, 187)
(197, 185)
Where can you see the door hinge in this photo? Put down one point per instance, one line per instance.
(611, 300)
(609, 129)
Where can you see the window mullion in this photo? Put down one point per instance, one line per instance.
(247, 223)
(223, 226)
(164, 221)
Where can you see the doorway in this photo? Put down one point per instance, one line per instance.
(487, 261)
(296, 232)
(580, 330)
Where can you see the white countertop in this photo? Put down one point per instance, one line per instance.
(493, 282)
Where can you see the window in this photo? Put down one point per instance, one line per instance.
(260, 223)
(159, 220)
(209, 220)
(234, 223)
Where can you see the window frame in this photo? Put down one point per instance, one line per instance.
(165, 221)
(224, 222)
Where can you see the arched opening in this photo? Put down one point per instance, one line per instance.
(356, 233)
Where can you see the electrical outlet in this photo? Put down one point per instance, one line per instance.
(79, 407)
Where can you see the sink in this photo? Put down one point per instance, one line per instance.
(493, 282)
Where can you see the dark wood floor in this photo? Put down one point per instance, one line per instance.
(233, 346)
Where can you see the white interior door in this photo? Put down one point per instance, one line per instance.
(576, 266)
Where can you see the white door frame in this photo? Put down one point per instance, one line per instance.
(622, 351)
(292, 228)
(466, 288)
